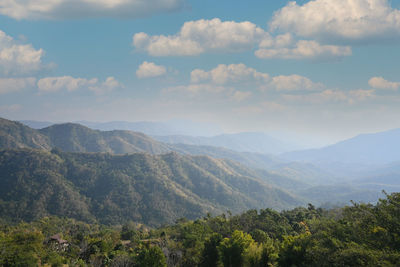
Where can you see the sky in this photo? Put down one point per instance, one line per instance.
(328, 69)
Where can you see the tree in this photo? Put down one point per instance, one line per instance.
(209, 255)
(151, 257)
(232, 250)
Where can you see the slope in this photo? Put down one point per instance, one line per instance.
(242, 142)
(376, 148)
(117, 188)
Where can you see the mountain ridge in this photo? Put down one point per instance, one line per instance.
(372, 148)
(112, 189)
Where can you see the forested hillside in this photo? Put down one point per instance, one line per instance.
(359, 235)
(77, 138)
(302, 179)
(151, 189)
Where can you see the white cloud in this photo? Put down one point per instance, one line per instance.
(294, 82)
(237, 74)
(9, 85)
(201, 36)
(18, 58)
(339, 20)
(54, 84)
(207, 36)
(110, 84)
(223, 74)
(381, 83)
(302, 49)
(150, 69)
(65, 9)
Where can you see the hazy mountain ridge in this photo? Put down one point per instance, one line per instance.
(74, 137)
(152, 189)
(292, 176)
(174, 127)
(242, 142)
(375, 148)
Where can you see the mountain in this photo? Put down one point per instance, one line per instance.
(339, 194)
(376, 148)
(172, 127)
(294, 177)
(16, 135)
(74, 137)
(112, 189)
(77, 138)
(242, 142)
(385, 177)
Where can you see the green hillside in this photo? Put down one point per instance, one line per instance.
(77, 138)
(296, 177)
(16, 135)
(152, 189)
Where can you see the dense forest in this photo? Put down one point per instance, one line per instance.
(308, 182)
(357, 235)
(70, 195)
(113, 189)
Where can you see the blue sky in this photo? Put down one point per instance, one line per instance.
(328, 69)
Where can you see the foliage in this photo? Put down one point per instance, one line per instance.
(359, 235)
(116, 189)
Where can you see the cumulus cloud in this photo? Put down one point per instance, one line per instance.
(16, 59)
(240, 73)
(223, 74)
(66, 9)
(68, 83)
(197, 37)
(302, 49)
(9, 85)
(108, 85)
(381, 83)
(294, 82)
(208, 36)
(338, 20)
(150, 69)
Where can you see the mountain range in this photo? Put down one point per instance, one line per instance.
(283, 183)
(374, 148)
(112, 189)
(172, 127)
(243, 142)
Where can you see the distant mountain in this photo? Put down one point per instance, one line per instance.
(172, 127)
(296, 177)
(189, 133)
(339, 194)
(114, 189)
(377, 148)
(74, 137)
(385, 177)
(243, 142)
(77, 138)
